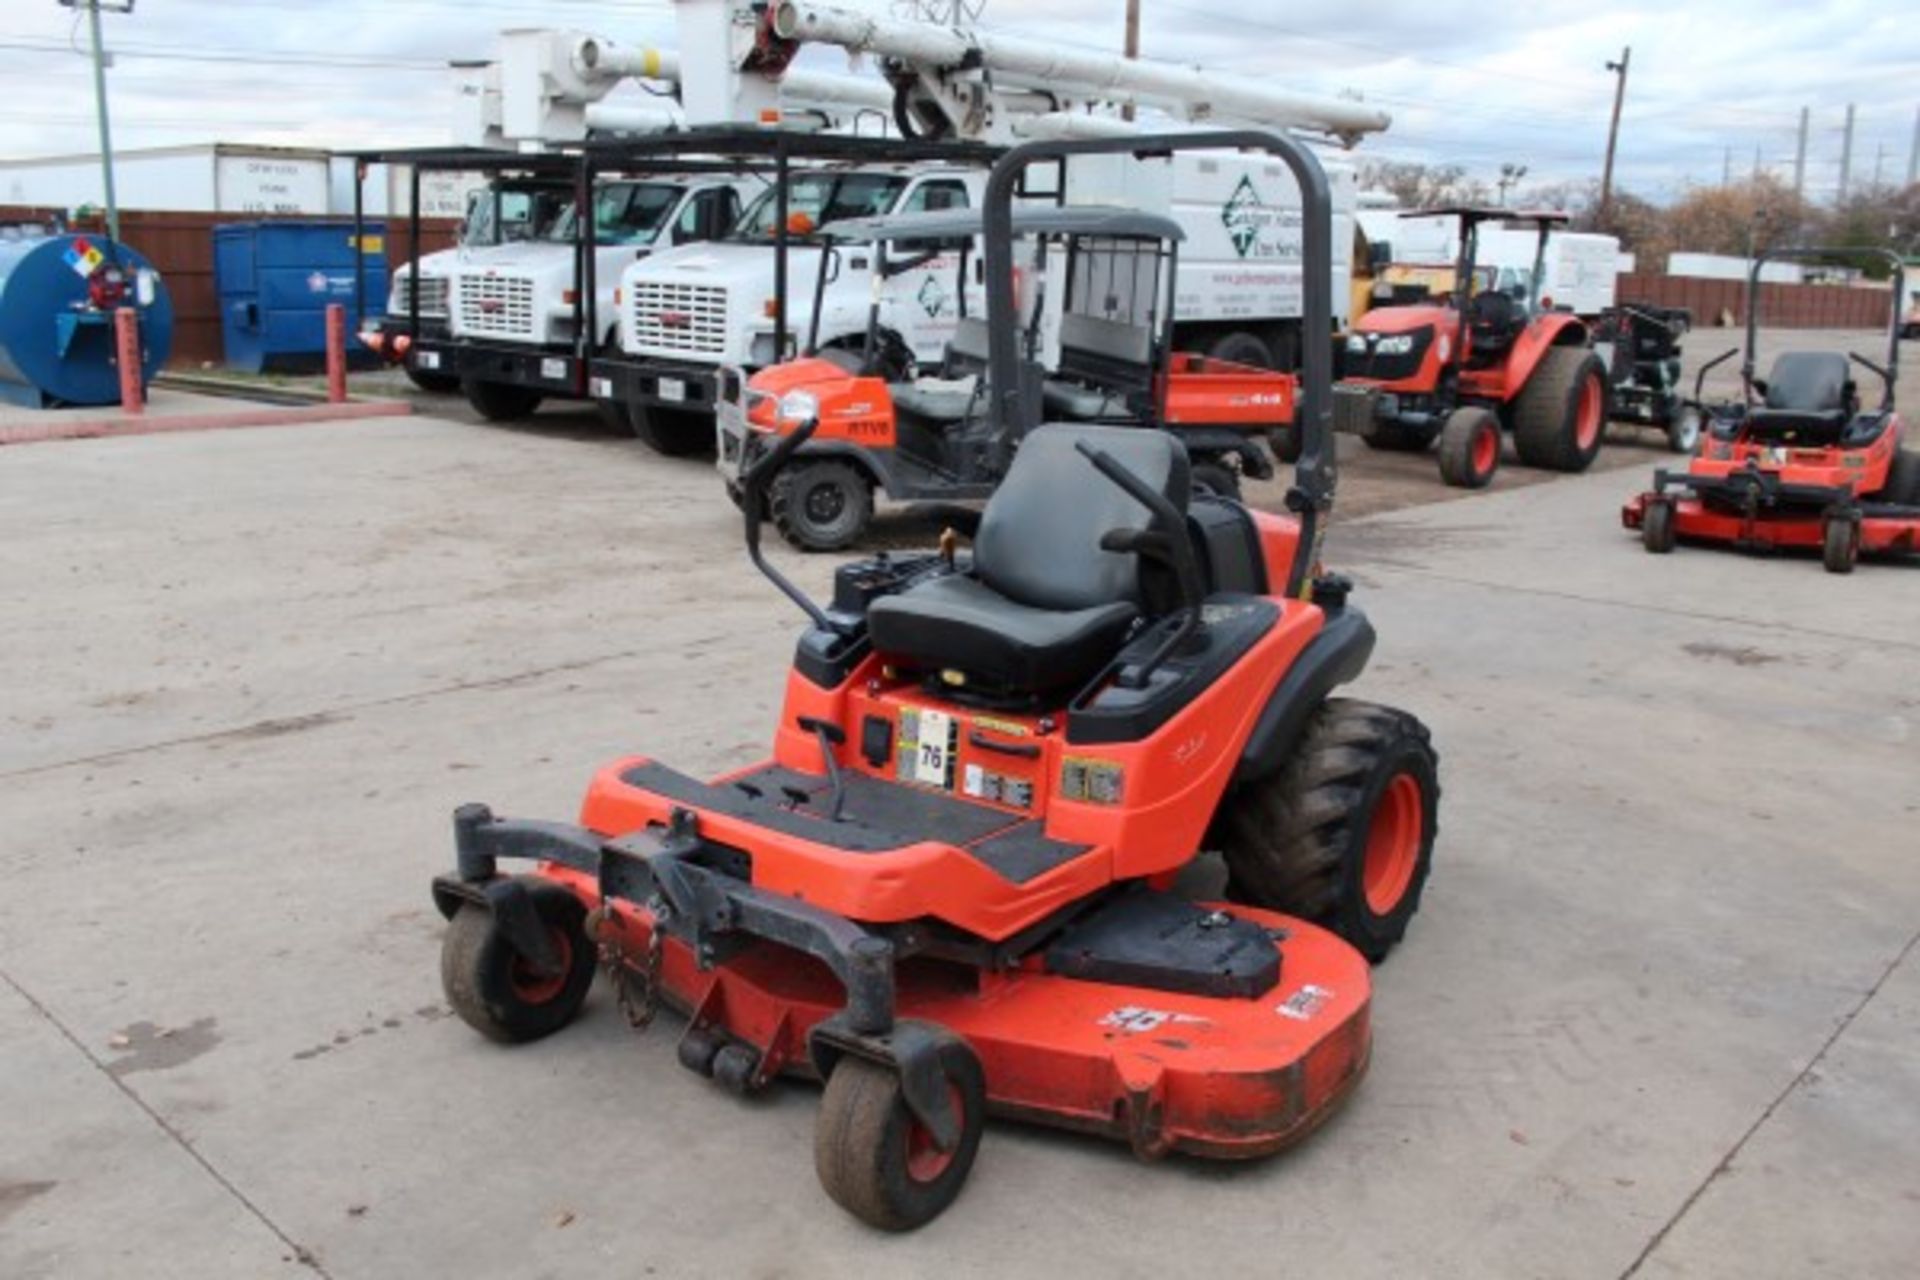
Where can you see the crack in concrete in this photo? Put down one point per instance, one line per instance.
(1733, 1152)
(300, 1253)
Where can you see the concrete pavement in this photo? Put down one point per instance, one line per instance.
(1658, 1014)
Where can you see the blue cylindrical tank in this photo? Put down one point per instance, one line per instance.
(56, 336)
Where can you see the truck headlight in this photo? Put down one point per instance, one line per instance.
(799, 406)
(1398, 344)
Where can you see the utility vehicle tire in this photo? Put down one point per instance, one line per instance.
(1656, 528)
(1342, 834)
(1286, 443)
(1470, 448)
(676, 433)
(821, 505)
(491, 986)
(876, 1160)
(501, 401)
(1683, 431)
(1395, 437)
(1840, 544)
(1560, 416)
(440, 384)
(1903, 479)
(1241, 347)
(1216, 478)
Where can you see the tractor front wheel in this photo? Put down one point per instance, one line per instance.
(1560, 416)
(1683, 432)
(1396, 437)
(877, 1160)
(1470, 448)
(494, 988)
(1342, 834)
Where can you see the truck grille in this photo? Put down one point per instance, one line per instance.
(496, 305)
(433, 297)
(680, 318)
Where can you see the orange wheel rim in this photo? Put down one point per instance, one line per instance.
(925, 1160)
(532, 987)
(1393, 844)
(1486, 449)
(1586, 419)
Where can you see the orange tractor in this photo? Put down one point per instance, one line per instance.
(920, 437)
(1465, 368)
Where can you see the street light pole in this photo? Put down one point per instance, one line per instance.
(93, 8)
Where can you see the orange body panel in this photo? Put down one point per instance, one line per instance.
(1203, 391)
(1498, 382)
(1694, 519)
(1863, 471)
(1219, 1077)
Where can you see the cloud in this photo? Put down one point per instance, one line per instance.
(1528, 86)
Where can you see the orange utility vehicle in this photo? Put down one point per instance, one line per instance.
(1796, 461)
(951, 889)
(929, 438)
(1465, 368)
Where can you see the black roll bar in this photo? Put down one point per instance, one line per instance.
(1888, 375)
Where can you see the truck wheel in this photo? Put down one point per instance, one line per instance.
(501, 401)
(491, 986)
(1470, 448)
(677, 433)
(1840, 543)
(1683, 432)
(821, 505)
(1560, 416)
(1241, 347)
(1342, 834)
(1656, 527)
(1397, 437)
(440, 384)
(1903, 479)
(1217, 478)
(876, 1159)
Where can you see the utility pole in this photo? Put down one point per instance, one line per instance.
(93, 8)
(1913, 156)
(1756, 163)
(1846, 156)
(1879, 160)
(1619, 70)
(1510, 175)
(1132, 46)
(1726, 168)
(1800, 158)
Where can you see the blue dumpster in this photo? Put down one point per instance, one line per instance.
(275, 281)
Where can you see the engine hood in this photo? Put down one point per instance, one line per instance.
(727, 266)
(1407, 319)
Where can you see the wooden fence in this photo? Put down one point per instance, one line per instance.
(1784, 306)
(180, 245)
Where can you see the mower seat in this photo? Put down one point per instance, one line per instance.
(1043, 607)
(1809, 397)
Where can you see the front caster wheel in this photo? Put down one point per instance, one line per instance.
(1342, 834)
(1840, 544)
(1656, 528)
(877, 1160)
(493, 987)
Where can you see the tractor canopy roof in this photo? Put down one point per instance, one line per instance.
(1037, 220)
(1489, 213)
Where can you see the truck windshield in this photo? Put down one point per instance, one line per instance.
(623, 213)
(506, 215)
(814, 199)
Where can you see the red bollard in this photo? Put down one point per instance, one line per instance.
(126, 342)
(336, 353)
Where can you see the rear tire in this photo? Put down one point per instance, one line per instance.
(1683, 432)
(1470, 448)
(1241, 347)
(1342, 834)
(490, 985)
(1656, 527)
(1903, 479)
(1840, 544)
(873, 1156)
(440, 384)
(1560, 416)
(676, 433)
(1216, 478)
(501, 401)
(821, 505)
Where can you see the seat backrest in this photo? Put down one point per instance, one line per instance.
(1810, 381)
(969, 342)
(1493, 318)
(1039, 538)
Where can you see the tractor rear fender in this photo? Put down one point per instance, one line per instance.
(1332, 658)
(1554, 329)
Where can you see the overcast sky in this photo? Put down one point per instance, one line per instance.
(1527, 88)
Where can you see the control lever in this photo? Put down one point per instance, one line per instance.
(1171, 544)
